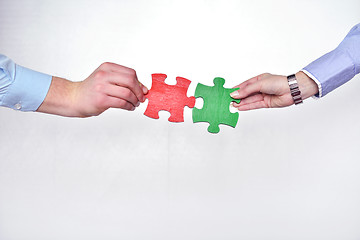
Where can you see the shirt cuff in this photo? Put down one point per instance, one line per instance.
(28, 90)
(331, 70)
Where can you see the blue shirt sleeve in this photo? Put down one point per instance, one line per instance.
(338, 66)
(21, 88)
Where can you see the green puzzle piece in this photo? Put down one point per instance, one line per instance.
(216, 105)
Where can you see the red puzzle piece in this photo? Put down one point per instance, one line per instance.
(171, 98)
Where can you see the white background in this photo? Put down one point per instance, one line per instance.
(290, 173)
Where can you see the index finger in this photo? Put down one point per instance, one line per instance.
(249, 81)
(142, 86)
(129, 81)
(247, 90)
(125, 70)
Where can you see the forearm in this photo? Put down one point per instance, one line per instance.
(109, 86)
(60, 99)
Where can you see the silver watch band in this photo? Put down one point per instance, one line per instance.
(294, 89)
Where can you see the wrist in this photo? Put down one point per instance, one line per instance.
(61, 98)
(307, 86)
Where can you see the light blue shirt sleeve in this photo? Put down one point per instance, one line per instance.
(21, 88)
(338, 66)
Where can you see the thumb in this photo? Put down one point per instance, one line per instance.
(247, 90)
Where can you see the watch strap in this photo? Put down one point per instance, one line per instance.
(294, 89)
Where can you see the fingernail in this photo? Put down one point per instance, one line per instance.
(235, 94)
(138, 104)
(234, 104)
(145, 89)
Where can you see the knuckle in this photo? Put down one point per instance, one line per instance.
(99, 87)
(246, 92)
(124, 105)
(99, 75)
(132, 82)
(105, 65)
(130, 107)
(131, 71)
(264, 75)
(128, 94)
(97, 113)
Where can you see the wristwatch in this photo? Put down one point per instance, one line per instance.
(294, 89)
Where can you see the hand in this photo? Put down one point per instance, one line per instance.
(109, 86)
(271, 91)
